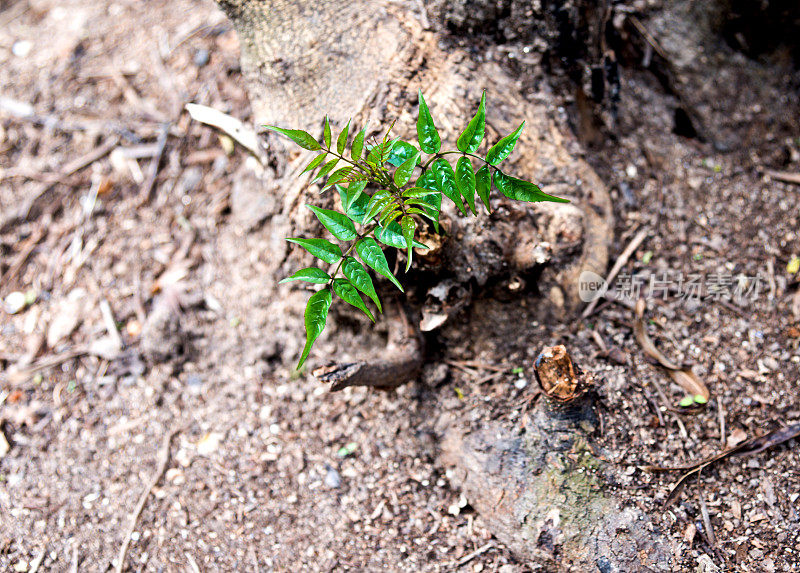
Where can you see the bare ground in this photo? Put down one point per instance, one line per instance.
(255, 479)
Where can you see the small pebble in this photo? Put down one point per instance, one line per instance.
(22, 48)
(194, 384)
(15, 302)
(332, 478)
(520, 383)
(201, 57)
(771, 364)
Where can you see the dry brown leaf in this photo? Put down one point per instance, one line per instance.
(682, 376)
(736, 437)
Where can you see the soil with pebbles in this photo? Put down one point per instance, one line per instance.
(267, 469)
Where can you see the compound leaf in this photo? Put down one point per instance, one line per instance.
(416, 192)
(374, 155)
(300, 137)
(320, 248)
(419, 201)
(338, 224)
(350, 295)
(401, 151)
(406, 170)
(310, 275)
(341, 141)
(504, 147)
(315, 162)
(520, 190)
(470, 139)
(420, 212)
(390, 216)
(326, 133)
(376, 204)
(429, 140)
(316, 316)
(392, 236)
(483, 185)
(354, 201)
(386, 149)
(327, 168)
(358, 144)
(427, 181)
(370, 252)
(338, 175)
(359, 277)
(446, 182)
(465, 180)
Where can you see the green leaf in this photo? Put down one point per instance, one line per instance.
(429, 140)
(374, 155)
(388, 208)
(433, 214)
(520, 190)
(338, 175)
(359, 277)
(350, 193)
(309, 274)
(421, 213)
(338, 224)
(327, 168)
(300, 137)
(341, 141)
(376, 204)
(421, 202)
(315, 162)
(470, 139)
(390, 216)
(380, 154)
(409, 226)
(406, 170)
(416, 192)
(370, 252)
(428, 181)
(483, 185)
(386, 149)
(347, 449)
(446, 182)
(354, 200)
(504, 147)
(326, 133)
(465, 180)
(350, 295)
(316, 316)
(358, 144)
(392, 236)
(401, 152)
(320, 248)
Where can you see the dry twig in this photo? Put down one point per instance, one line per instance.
(747, 448)
(785, 176)
(163, 461)
(470, 556)
(152, 172)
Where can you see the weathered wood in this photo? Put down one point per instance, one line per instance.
(543, 486)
